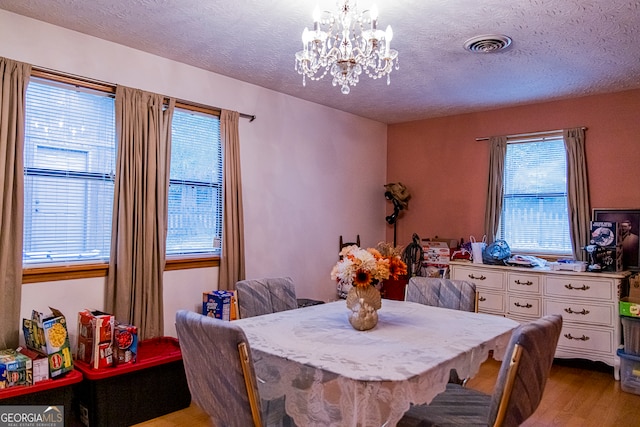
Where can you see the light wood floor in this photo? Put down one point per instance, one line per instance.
(574, 397)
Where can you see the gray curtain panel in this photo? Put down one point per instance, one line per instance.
(138, 240)
(495, 190)
(232, 265)
(577, 190)
(14, 78)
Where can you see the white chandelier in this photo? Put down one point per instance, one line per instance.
(345, 43)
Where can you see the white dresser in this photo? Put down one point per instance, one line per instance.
(588, 303)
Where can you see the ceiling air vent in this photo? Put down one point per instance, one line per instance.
(487, 44)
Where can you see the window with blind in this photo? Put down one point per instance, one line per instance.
(534, 216)
(69, 158)
(69, 164)
(195, 186)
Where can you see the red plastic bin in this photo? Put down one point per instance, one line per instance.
(135, 392)
(51, 392)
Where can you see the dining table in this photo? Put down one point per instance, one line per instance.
(331, 374)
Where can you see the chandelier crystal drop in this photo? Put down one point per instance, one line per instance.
(346, 44)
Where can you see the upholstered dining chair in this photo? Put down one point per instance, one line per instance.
(453, 294)
(343, 243)
(219, 369)
(220, 373)
(264, 296)
(518, 390)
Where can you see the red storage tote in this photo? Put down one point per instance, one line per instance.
(51, 392)
(134, 392)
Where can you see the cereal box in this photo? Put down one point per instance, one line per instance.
(103, 355)
(436, 253)
(234, 306)
(48, 336)
(39, 363)
(15, 369)
(217, 304)
(126, 344)
(95, 338)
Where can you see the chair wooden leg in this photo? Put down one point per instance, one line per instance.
(248, 381)
(508, 387)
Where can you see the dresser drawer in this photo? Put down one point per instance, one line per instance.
(490, 302)
(483, 278)
(586, 339)
(577, 311)
(523, 305)
(587, 302)
(521, 282)
(576, 287)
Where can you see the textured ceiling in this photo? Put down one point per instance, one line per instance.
(560, 49)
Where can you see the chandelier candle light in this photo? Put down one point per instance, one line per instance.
(351, 43)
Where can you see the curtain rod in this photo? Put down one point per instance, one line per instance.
(59, 76)
(524, 135)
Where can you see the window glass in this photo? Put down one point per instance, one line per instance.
(70, 155)
(69, 158)
(534, 215)
(195, 192)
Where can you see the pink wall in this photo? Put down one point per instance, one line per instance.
(309, 173)
(446, 169)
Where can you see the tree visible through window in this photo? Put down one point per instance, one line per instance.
(534, 216)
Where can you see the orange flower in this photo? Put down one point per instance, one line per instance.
(367, 267)
(396, 268)
(362, 279)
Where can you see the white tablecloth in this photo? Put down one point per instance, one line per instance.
(334, 375)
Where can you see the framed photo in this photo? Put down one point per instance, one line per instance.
(629, 223)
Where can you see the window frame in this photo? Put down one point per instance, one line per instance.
(540, 137)
(199, 109)
(35, 169)
(84, 270)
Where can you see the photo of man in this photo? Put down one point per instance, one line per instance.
(630, 244)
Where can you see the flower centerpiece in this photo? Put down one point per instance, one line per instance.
(358, 274)
(397, 267)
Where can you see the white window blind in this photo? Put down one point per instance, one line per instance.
(69, 158)
(195, 190)
(534, 215)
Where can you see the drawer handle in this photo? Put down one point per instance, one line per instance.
(482, 299)
(571, 337)
(527, 283)
(583, 312)
(527, 305)
(471, 276)
(581, 288)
